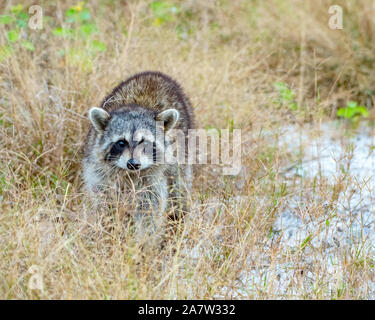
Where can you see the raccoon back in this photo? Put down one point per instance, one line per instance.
(155, 91)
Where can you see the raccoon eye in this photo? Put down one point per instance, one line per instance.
(144, 142)
(121, 144)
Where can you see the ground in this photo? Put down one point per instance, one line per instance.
(297, 222)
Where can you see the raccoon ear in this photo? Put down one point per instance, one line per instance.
(170, 118)
(99, 118)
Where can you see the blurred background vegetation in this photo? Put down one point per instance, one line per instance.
(279, 45)
(243, 63)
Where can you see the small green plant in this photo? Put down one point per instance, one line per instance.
(5, 52)
(14, 22)
(80, 28)
(78, 13)
(352, 111)
(286, 96)
(163, 11)
(78, 20)
(3, 183)
(305, 242)
(16, 15)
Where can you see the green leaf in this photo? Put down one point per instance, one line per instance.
(352, 104)
(22, 19)
(352, 110)
(88, 29)
(341, 112)
(163, 11)
(362, 110)
(98, 46)
(13, 35)
(74, 9)
(71, 12)
(80, 58)
(5, 52)
(305, 242)
(280, 86)
(77, 13)
(345, 112)
(28, 45)
(62, 32)
(6, 19)
(71, 15)
(287, 95)
(85, 14)
(21, 23)
(16, 9)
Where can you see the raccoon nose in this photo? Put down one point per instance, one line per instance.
(133, 164)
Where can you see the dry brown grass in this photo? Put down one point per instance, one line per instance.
(229, 58)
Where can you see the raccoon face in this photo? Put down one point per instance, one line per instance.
(127, 137)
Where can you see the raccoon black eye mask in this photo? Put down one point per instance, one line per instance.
(116, 149)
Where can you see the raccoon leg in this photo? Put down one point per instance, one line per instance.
(150, 215)
(179, 190)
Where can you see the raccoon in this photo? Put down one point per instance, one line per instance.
(123, 147)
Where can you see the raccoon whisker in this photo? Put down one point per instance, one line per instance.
(105, 172)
